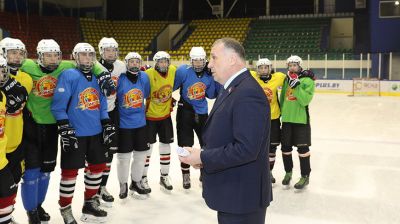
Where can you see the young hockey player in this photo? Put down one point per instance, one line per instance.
(109, 62)
(133, 88)
(85, 132)
(158, 115)
(297, 93)
(40, 128)
(15, 85)
(14, 51)
(195, 85)
(270, 81)
(8, 187)
(40, 131)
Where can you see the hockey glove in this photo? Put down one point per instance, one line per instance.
(293, 80)
(307, 73)
(68, 138)
(106, 84)
(110, 136)
(15, 93)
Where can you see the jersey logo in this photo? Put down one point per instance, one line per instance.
(268, 93)
(44, 87)
(2, 122)
(89, 99)
(133, 99)
(196, 91)
(162, 95)
(289, 95)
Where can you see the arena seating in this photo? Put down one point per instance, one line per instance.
(261, 37)
(207, 31)
(32, 29)
(130, 35)
(283, 37)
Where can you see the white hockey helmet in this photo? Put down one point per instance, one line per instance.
(198, 53)
(264, 61)
(108, 42)
(12, 44)
(294, 59)
(133, 55)
(159, 56)
(84, 48)
(48, 46)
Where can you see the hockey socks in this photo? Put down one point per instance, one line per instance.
(287, 162)
(137, 165)
(106, 172)
(93, 177)
(6, 208)
(123, 161)
(305, 166)
(165, 157)
(147, 162)
(44, 180)
(67, 186)
(30, 189)
(185, 168)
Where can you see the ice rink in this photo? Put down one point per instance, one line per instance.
(355, 174)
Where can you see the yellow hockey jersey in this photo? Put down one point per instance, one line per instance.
(14, 122)
(158, 105)
(3, 136)
(271, 90)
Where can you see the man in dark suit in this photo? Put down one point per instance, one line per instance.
(234, 158)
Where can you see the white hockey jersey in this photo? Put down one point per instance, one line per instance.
(119, 68)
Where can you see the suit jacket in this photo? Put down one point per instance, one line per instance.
(236, 177)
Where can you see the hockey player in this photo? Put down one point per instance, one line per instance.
(8, 187)
(40, 131)
(158, 115)
(40, 128)
(15, 85)
(109, 62)
(195, 85)
(270, 81)
(133, 88)
(85, 132)
(297, 93)
(14, 51)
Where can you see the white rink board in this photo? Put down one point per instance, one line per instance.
(387, 88)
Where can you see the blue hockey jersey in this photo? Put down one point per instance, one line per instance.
(194, 90)
(80, 101)
(131, 96)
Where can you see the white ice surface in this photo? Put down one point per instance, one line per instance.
(355, 174)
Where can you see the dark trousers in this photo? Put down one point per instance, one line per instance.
(257, 217)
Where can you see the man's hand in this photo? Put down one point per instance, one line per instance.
(193, 159)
